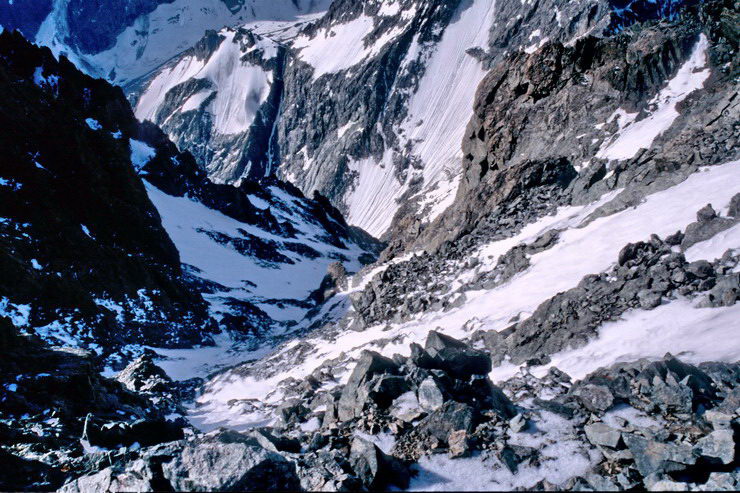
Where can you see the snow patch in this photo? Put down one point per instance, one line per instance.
(633, 136)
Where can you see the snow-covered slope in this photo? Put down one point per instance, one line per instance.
(218, 100)
(377, 95)
(144, 35)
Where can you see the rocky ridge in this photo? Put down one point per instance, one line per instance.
(648, 424)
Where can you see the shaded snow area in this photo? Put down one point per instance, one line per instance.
(586, 245)
(141, 153)
(170, 29)
(240, 87)
(438, 112)
(661, 111)
(239, 262)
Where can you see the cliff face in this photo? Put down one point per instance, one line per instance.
(631, 110)
(78, 229)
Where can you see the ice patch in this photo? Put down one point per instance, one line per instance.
(93, 124)
(141, 154)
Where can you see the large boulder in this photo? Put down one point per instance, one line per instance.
(229, 461)
(453, 356)
(143, 375)
(707, 224)
(374, 468)
(135, 476)
(355, 394)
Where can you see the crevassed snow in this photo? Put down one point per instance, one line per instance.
(632, 137)
(141, 153)
(240, 87)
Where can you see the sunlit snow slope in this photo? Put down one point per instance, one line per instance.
(586, 245)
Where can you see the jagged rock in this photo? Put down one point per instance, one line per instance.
(649, 299)
(653, 457)
(291, 411)
(275, 443)
(718, 419)
(136, 476)
(229, 462)
(406, 407)
(720, 481)
(734, 206)
(353, 399)
(596, 398)
(602, 434)
(459, 444)
(724, 293)
(144, 375)
(512, 456)
(518, 423)
(326, 471)
(454, 357)
(383, 389)
(707, 224)
(375, 469)
(431, 397)
(452, 416)
(719, 444)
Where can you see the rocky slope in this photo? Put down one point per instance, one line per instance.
(649, 424)
(556, 327)
(567, 256)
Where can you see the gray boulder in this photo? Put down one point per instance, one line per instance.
(229, 462)
(595, 398)
(454, 357)
(602, 434)
(430, 395)
(719, 444)
(654, 457)
(375, 469)
(706, 226)
(136, 476)
(452, 416)
(354, 397)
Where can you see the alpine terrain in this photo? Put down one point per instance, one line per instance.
(369, 245)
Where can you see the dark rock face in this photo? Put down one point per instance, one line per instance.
(228, 154)
(537, 93)
(54, 398)
(80, 227)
